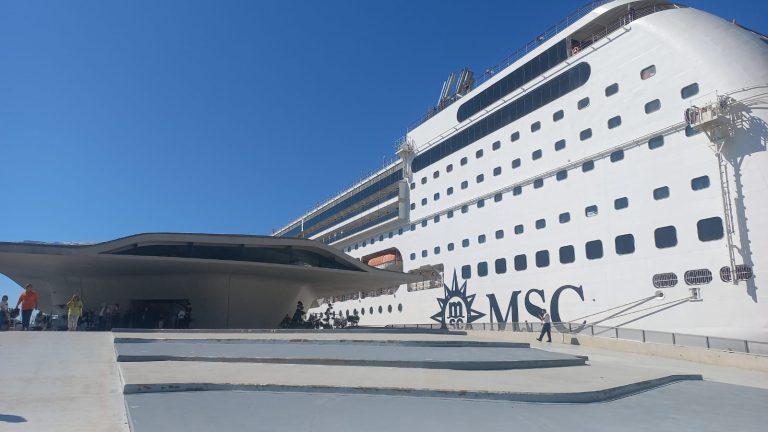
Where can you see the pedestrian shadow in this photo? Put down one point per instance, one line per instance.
(10, 418)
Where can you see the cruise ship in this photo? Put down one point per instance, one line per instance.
(613, 171)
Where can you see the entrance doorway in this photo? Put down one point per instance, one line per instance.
(158, 314)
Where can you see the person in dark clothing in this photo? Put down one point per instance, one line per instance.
(547, 327)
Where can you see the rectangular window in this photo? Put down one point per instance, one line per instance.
(464, 184)
(515, 136)
(538, 183)
(450, 246)
(449, 214)
(480, 178)
(480, 203)
(413, 256)
(588, 166)
(521, 262)
(661, 193)
(464, 209)
(463, 161)
(558, 115)
(710, 229)
(617, 155)
(585, 134)
(449, 168)
(535, 126)
(497, 171)
(497, 197)
(620, 203)
(590, 211)
(542, 258)
(625, 244)
(689, 90)
(479, 154)
(465, 243)
(481, 238)
(536, 154)
(449, 191)
(700, 183)
(564, 217)
(436, 219)
(496, 145)
(436, 174)
(541, 223)
(665, 237)
(437, 250)
(648, 72)
(519, 229)
(516, 163)
(567, 254)
(559, 145)
(424, 253)
(612, 89)
(499, 234)
(583, 103)
(436, 196)
(561, 175)
(424, 223)
(517, 190)
(656, 142)
(652, 106)
(501, 266)
(614, 122)
(466, 272)
(594, 249)
(482, 269)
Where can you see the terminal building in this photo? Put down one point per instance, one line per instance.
(230, 281)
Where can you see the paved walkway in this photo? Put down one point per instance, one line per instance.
(60, 381)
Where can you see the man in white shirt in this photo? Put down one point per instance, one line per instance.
(547, 328)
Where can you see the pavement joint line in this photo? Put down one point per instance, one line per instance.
(418, 364)
(593, 396)
(451, 344)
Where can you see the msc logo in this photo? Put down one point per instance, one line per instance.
(456, 306)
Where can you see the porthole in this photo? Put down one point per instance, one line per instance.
(400, 307)
(664, 280)
(558, 115)
(648, 72)
(698, 277)
(370, 310)
(612, 89)
(389, 308)
(652, 106)
(381, 309)
(362, 311)
(725, 274)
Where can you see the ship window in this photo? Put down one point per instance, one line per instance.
(590, 211)
(541, 223)
(625, 244)
(516, 163)
(535, 126)
(521, 262)
(466, 271)
(700, 183)
(413, 227)
(519, 229)
(400, 307)
(690, 131)
(496, 145)
(449, 214)
(499, 234)
(450, 246)
(656, 142)
(381, 237)
(588, 166)
(517, 190)
(617, 155)
(614, 122)
(423, 201)
(480, 178)
(400, 231)
(558, 115)
(436, 219)
(424, 223)
(362, 311)
(437, 250)
(665, 237)
(449, 168)
(536, 154)
(464, 209)
(621, 203)
(594, 249)
(585, 134)
(538, 183)
(413, 185)
(497, 197)
(413, 256)
(542, 258)
(497, 171)
(744, 272)
(480, 203)
(567, 254)
(515, 136)
(725, 274)
(436, 174)
(583, 103)
(612, 89)
(482, 269)
(501, 266)
(689, 90)
(436, 196)
(564, 217)
(389, 310)
(561, 175)
(413, 206)
(479, 154)
(560, 145)
(481, 238)
(424, 253)
(661, 193)
(648, 72)
(370, 309)
(449, 191)
(464, 184)
(652, 106)
(356, 245)
(463, 161)
(710, 229)
(664, 280)
(698, 277)
(423, 180)
(465, 243)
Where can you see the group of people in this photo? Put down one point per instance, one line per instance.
(327, 320)
(28, 303)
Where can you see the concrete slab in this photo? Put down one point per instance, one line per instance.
(471, 357)
(60, 381)
(699, 406)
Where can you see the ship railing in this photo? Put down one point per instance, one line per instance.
(619, 333)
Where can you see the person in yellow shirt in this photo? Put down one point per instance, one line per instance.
(74, 310)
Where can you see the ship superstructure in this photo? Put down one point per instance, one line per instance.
(613, 170)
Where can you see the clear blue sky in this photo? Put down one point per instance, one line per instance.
(122, 117)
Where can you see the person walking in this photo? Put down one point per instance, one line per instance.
(74, 310)
(547, 327)
(5, 314)
(28, 302)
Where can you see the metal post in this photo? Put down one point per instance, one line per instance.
(706, 339)
(592, 329)
(643, 333)
(616, 329)
(673, 339)
(746, 346)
